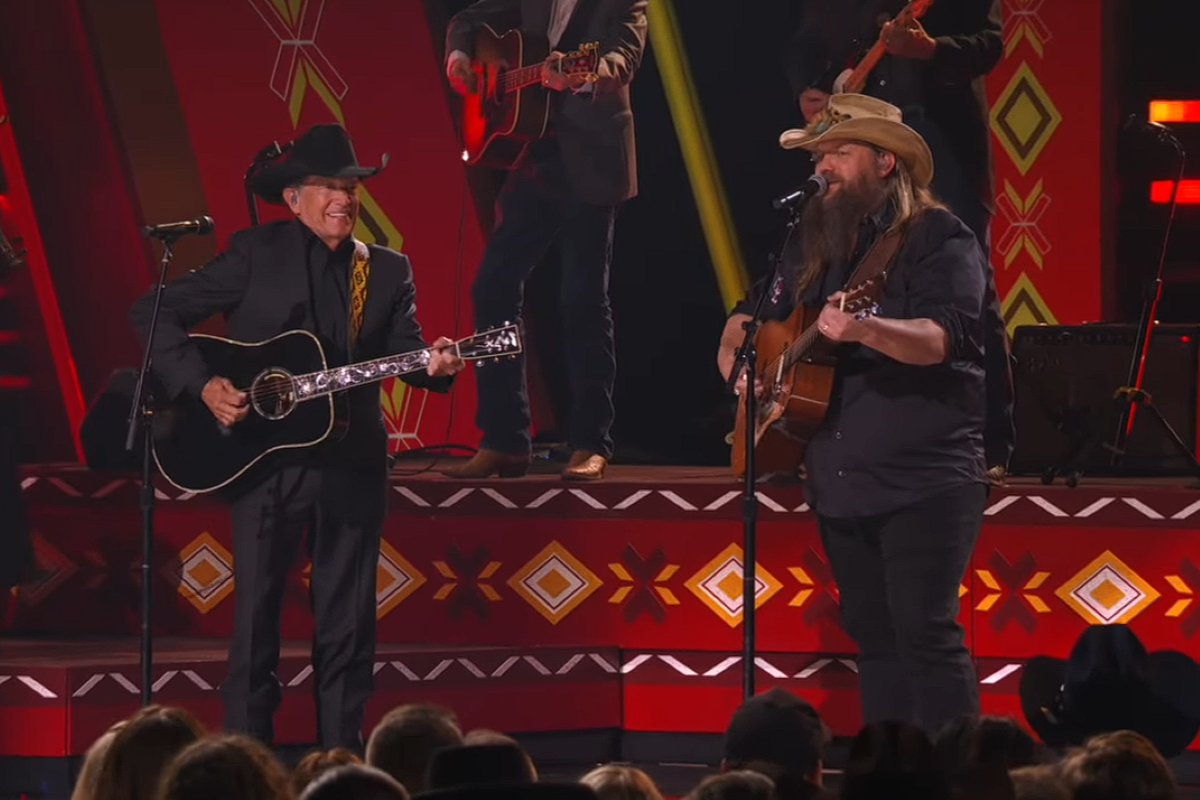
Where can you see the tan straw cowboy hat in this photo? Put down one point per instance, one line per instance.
(859, 118)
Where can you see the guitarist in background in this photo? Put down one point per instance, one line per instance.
(895, 473)
(933, 70)
(286, 275)
(567, 188)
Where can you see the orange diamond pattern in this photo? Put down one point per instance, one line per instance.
(205, 573)
(554, 582)
(719, 584)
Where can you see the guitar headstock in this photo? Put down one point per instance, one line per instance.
(491, 345)
(584, 62)
(862, 301)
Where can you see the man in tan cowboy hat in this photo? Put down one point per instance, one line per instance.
(359, 300)
(895, 475)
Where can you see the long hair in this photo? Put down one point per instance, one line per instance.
(899, 191)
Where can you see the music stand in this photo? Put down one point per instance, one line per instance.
(1131, 394)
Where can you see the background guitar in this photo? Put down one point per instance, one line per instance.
(507, 108)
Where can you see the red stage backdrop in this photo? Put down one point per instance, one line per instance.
(1046, 99)
(249, 72)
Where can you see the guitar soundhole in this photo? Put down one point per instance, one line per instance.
(273, 394)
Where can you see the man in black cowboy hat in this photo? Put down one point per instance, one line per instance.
(567, 188)
(298, 274)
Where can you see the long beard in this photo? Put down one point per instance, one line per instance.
(829, 227)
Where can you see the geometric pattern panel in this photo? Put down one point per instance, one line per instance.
(204, 572)
(1024, 118)
(554, 582)
(719, 585)
(396, 579)
(1107, 591)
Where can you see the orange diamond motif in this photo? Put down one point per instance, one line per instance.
(554, 582)
(395, 580)
(719, 584)
(1107, 591)
(205, 573)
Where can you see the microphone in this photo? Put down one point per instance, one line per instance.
(166, 230)
(813, 187)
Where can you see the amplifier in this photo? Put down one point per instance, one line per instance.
(1065, 377)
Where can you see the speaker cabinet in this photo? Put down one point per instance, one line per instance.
(1065, 378)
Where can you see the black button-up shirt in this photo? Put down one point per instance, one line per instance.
(895, 433)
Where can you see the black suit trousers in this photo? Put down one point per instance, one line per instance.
(342, 514)
(534, 209)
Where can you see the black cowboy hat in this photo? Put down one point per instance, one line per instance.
(1110, 683)
(324, 150)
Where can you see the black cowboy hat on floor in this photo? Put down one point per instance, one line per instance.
(324, 150)
(1111, 683)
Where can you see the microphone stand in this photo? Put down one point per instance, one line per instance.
(747, 358)
(141, 417)
(1131, 394)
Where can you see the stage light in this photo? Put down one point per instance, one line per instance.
(1189, 192)
(1175, 111)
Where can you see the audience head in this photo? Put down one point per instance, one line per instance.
(404, 741)
(93, 761)
(315, 764)
(619, 782)
(479, 764)
(734, 785)
(141, 751)
(1041, 782)
(1122, 765)
(778, 733)
(894, 760)
(355, 782)
(228, 767)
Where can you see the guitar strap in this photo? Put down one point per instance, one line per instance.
(359, 273)
(878, 258)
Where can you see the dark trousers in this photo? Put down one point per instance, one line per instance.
(533, 209)
(342, 514)
(898, 576)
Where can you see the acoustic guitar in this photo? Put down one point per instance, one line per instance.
(508, 109)
(853, 80)
(795, 365)
(291, 392)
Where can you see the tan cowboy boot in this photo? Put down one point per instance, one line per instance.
(486, 463)
(585, 465)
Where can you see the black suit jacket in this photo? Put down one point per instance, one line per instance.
(594, 129)
(260, 283)
(949, 87)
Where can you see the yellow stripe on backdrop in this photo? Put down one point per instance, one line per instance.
(698, 157)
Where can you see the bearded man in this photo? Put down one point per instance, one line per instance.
(896, 474)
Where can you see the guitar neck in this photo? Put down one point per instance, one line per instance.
(799, 348)
(858, 77)
(519, 79)
(317, 384)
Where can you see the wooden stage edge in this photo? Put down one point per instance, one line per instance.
(617, 604)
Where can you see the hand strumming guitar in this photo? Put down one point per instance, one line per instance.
(225, 402)
(459, 72)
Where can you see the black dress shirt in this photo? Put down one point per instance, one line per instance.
(896, 433)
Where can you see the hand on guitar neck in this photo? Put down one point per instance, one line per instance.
(463, 79)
